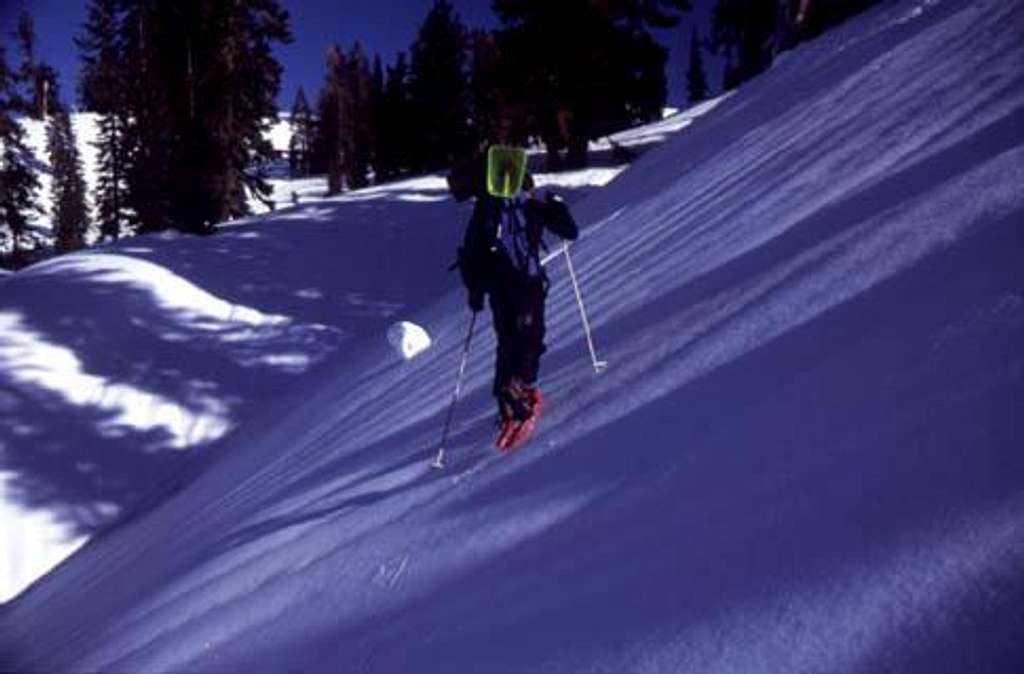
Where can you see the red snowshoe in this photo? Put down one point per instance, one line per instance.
(519, 422)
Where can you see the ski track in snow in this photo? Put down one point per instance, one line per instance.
(803, 457)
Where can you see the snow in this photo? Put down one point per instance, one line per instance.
(33, 540)
(408, 339)
(804, 456)
(280, 134)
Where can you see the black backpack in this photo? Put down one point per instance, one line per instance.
(504, 239)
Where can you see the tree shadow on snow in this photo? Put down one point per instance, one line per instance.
(91, 432)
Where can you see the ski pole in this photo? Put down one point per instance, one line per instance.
(599, 365)
(439, 461)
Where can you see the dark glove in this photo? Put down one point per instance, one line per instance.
(476, 301)
(553, 214)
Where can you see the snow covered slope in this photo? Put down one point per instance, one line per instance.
(805, 455)
(123, 365)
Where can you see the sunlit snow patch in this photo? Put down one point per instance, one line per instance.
(31, 542)
(408, 339)
(30, 360)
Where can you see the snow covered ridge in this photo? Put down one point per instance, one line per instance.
(132, 355)
(804, 456)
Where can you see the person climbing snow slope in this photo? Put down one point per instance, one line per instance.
(500, 258)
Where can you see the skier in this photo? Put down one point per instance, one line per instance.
(500, 258)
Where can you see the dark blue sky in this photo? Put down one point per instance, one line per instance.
(383, 26)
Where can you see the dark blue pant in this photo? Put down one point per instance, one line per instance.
(517, 306)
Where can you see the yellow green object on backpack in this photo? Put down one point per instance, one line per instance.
(506, 169)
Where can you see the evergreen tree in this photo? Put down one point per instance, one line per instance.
(583, 69)
(377, 106)
(70, 212)
(394, 120)
(100, 53)
(102, 85)
(654, 13)
(202, 83)
(223, 102)
(745, 32)
(438, 89)
(696, 80)
(242, 117)
(147, 137)
(647, 82)
(812, 17)
(49, 91)
(357, 144)
(111, 182)
(639, 59)
(35, 81)
(302, 135)
(488, 88)
(18, 182)
(329, 129)
(642, 67)
(293, 155)
(789, 18)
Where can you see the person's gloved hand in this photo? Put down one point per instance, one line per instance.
(476, 301)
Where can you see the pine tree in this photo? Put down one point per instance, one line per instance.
(244, 95)
(647, 82)
(70, 212)
(147, 137)
(48, 99)
(357, 146)
(744, 31)
(300, 147)
(640, 71)
(294, 154)
(813, 17)
(100, 53)
(655, 13)
(488, 90)
(202, 84)
(696, 80)
(583, 69)
(377, 104)
(639, 61)
(34, 80)
(329, 129)
(222, 99)
(439, 89)
(18, 182)
(111, 182)
(394, 119)
(102, 90)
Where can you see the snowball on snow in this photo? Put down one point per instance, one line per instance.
(408, 339)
